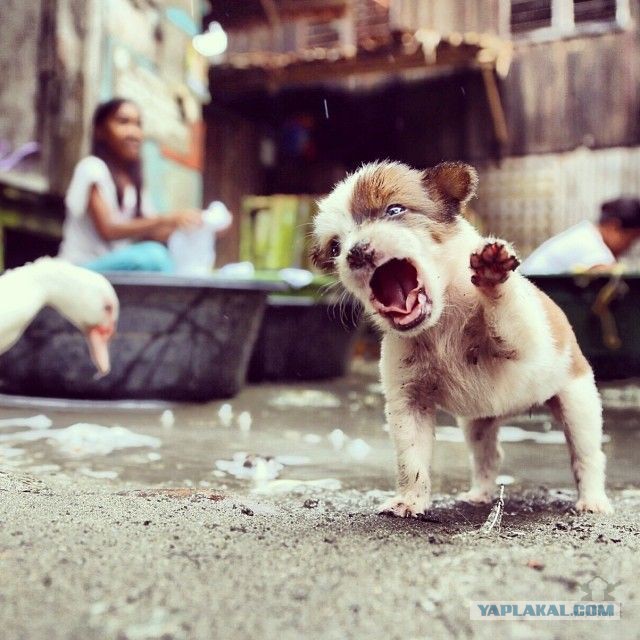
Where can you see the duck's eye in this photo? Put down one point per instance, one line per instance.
(395, 209)
(108, 307)
(334, 248)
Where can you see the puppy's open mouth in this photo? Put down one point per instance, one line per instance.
(398, 294)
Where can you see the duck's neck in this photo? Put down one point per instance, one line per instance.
(21, 297)
(54, 290)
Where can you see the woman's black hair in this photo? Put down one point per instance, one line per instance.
(625, 210)
(100, 149)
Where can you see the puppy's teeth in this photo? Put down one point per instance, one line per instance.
(422, 298)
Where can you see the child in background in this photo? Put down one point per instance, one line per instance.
(110, 224)
(586, 245)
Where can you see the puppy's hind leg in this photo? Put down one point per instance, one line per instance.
(481, 436)
(579, 409)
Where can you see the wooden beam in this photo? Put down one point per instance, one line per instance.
(495, 104)
(321, 70)
(271, 11)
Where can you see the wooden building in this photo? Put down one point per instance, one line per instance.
(543, 96)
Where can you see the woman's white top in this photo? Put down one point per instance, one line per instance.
(81, 241)
(576, 248)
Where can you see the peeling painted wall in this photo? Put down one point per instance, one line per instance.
(19, 28)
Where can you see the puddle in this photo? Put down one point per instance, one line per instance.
(308, 437)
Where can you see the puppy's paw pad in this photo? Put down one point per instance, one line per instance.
(404, 507)
(476, 496)
(598, 504)
(492, 264)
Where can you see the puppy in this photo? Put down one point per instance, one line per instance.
(462, 329)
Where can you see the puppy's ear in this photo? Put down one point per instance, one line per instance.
(451, 184)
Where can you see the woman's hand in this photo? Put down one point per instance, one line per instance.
(186, 219)
(157, 228)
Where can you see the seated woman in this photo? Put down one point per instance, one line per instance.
(110, 224)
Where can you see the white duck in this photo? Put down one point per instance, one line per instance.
(84, 297)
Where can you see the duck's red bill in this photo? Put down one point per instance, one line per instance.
(98, 341)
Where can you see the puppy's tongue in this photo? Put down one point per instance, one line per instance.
(395, 287)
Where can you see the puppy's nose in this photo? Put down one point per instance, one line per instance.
(361, 255)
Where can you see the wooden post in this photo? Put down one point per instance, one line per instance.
(495, 104)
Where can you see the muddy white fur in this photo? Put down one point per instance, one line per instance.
(462, 329)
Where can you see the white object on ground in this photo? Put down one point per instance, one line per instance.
(308, 398)
(290, 485)
(34, 422)
(86, 439)
(358, 449)
(516, 434)
(296, 278)
(101, 475)
(167, 419)
(337, 438)
(311, 438)
(225, 413)
(244, 421)
(509, 434)
(246, 466)
(260, 469)
(83, 439)
(237, 271)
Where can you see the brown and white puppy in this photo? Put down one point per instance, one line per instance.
(463, 330)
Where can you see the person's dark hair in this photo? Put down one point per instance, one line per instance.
(626, 210)
(100, 149)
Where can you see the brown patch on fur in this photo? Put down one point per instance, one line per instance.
(388, 183)
(563, 335)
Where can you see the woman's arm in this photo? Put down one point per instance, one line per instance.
(154, 228)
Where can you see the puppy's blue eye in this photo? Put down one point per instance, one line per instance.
(395, 209)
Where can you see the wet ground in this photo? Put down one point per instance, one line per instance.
(257, 518)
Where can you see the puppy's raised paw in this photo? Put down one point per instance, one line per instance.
(596, 504)
(492, 264)
(406, 506)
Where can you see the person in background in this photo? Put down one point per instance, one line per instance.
(587, 245)
(110, 223)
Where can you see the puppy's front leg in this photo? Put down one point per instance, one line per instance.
(413, 435)
(503, 295)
